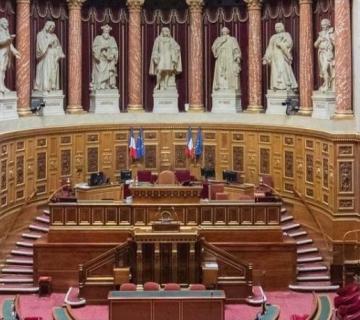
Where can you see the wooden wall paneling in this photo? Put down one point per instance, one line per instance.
(238, 152)
(3, 175)
(79, 167)
(252, 174)
(165, 150)
(288, 163)
(53, 164)
(30, 169)
(299, 164)
(317, 171)
(223, 154)
(11, 173)
(106, 154)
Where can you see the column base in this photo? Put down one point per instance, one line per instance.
(346, 115)
(254, 109)
(304, 112)
(133, 108)
(196, 108)
(75, 109)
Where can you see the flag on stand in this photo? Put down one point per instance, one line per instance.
(132, 145)
(189, 149)
(199, 144)
(140, 148)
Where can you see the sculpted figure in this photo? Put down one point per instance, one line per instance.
(105, 54)
(278, 55)
(325, 45)
(165, 60)
(227, 53)
(48, 54)
(7, 49)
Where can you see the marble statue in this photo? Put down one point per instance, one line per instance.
(7, 49)
(325, 45)
(165, 60)
(48, 54)
(105, 54)
(227, 53)
(278, 55)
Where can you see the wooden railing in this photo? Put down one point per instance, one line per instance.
(318, 224)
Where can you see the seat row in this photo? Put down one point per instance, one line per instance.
(154, 286)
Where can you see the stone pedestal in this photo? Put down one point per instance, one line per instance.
(324, 105)
(8, 106)
(276, 101)
(54, 102)
(226, 101)
(166, 101)
(104, 101)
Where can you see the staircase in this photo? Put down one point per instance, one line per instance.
(16, 274)
(312, 271)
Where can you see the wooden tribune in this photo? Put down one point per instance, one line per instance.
(175, 305)
(102, 192)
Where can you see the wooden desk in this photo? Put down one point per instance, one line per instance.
(165, 305)
(165, 193)
(103, 192)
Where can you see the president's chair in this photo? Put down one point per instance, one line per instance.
(167, 177)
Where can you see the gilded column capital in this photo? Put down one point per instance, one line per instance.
(195, 5)
(75, 4)
(254, 4)
(135, 4)
(305, 2)
(23, 1)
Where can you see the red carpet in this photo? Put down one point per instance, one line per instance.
(289, 302)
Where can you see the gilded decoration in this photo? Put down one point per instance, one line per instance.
(289, 164)
(75, 4)
(119, 136)
(41, 166)
(135, 5)
(93, 138)
(150, 156)
(3, 174)
(180, 135)
(41, 189)
(325, 173)
(345, 174)
(180, 157)
(121, 160)
(19, 169)
(65, 140)
(20, 145)
(238, 137)
(310, 168)
(254, 4)
(150, 135)
(346, 203)
(264, 161)
(41, 142)
(65, 162)
(345, 150)
(19, 194)
(264, 138)
(209, 156)
(93, 159)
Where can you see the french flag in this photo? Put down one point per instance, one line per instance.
(189, 150)
(132, 145)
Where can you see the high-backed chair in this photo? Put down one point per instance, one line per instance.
(167, 177)
(183, 175)
(144, 176)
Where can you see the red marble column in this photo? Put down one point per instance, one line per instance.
(255, 56)
(23, 64)
(135, 57)
(74, 57)
(343, 64)
(196, 80)
(306, 77)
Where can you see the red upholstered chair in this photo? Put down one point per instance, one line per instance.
(197, 287)
(345, 300)
(144, 176)
(183, 175)
(214, 189)
(167, 177)
(172, 287)
(151, 286)
(348, 290)
(346, 310)
(128, 287)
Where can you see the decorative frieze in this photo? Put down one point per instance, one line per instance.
(92, 159)
(65, 162)
(238, 158)
(41, 166)
(346, 177)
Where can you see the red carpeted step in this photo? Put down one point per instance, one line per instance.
(317, 287)
(313, 278)
(31, 235)
(312, 268)
(22, 252)
(290, 226)
(43, 219)
(13, 288)
(26, 244)
(18, 269)
(15, 278)
(309, 258)
(36, 227)
(20, 260)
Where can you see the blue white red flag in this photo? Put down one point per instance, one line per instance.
(132, 145)
(189, 150)
(140, 148)
(199, 144)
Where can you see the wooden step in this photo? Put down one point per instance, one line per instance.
(43, 219)
(307, 250)
(283, 210)
(313, 278)
(37, 227)
(46, 211)
(286, 219)
(11, 288)
(11, 278)
(297, 234)
(22, 261)
(309, 259)
(303, 242)
(316, 287)
(290, 226)
(17, 269)
(312, 268)
(22, 252)
(31, 235)
(25, 244)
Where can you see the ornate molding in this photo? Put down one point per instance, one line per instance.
(254, 4)
(75, 4)
(135, 5)
(195, 5)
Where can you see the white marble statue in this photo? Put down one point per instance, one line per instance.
(105, 54)
(325, 45)
(165, 60)
(7, 49)
(278, 55)
(227, 53)
(48, 54)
